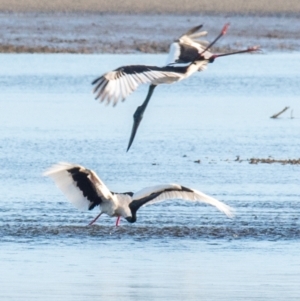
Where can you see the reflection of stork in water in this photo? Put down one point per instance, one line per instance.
(85, 190)
(187, 55)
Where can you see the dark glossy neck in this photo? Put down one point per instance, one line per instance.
(150, 92)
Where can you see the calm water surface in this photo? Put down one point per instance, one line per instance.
(175, 251)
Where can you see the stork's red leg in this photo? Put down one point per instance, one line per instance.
(222, 33)
(250, 49)
(95, 218)
(118, 221)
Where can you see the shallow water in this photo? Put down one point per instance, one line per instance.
(175, 250)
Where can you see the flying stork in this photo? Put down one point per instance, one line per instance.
(187, 55)
(85, 190)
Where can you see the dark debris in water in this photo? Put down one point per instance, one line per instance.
(271, 160)
(33, 232)
(268, 160)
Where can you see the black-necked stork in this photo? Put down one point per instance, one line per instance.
(187, 55)
(85, 191)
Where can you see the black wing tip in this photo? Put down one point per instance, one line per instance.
(183, 188)
(73, 170)
(93, 205)
(130, 193)
(199, 27)
(193, 30)
(96, 80)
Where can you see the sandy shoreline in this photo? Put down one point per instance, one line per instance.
(154, 6)
(79, 32)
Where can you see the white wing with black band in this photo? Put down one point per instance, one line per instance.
(151, 195)
(82, 187)
(118, 84)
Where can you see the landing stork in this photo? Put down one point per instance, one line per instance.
(85, 190)
(187, 55)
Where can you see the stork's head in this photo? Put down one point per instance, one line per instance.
(131, 219)
(212, 58)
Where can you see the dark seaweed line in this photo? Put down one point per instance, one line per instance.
(27, 232)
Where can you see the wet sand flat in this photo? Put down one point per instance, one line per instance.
(156, 6)
(81, 32)
(143, 26)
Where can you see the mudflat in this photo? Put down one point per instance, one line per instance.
(154, 6)
(139, 26)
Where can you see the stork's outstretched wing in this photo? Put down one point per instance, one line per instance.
(159, 193)
(82, 187)
(118, 84)
(188, 48)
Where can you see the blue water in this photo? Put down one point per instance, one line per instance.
(175, 250)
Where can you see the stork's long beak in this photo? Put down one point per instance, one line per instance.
(137, 118)
(138, 115)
